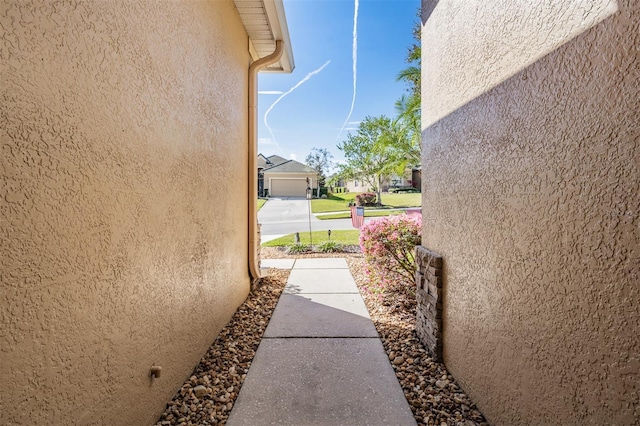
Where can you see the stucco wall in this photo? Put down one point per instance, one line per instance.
(531, 157)
(123, 139)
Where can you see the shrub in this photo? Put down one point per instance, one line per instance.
(366, 199)
(329, 247)
(298, 248)
(388, 246)
(323, 191)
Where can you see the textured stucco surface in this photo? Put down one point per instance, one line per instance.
(509, 38)
(531, 195)
(123, 139)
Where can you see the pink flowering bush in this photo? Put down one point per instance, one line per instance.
(388, 246)
(366, 199)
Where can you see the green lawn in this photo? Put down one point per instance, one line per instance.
(334, 202)
(402, 200)
(261, 202)
(340, 202)
(350, 237)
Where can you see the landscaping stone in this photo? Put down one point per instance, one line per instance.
(224, 367)
(429, 293)
(206, 398)
(394, 316)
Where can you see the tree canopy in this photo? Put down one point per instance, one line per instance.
(368, 154)
(320, 160)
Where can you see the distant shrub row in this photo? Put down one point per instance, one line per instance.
(366, 199)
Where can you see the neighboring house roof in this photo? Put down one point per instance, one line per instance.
(262, 161)
(265, 22)
(276, 159)
(290, 166)
(272, 160)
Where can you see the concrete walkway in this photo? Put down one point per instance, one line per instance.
(320, 361)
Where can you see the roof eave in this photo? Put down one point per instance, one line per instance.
(253, 14)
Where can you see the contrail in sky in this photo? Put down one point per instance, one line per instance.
(355, 65)
(266, 114)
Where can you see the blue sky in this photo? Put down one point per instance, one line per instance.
(321, 34)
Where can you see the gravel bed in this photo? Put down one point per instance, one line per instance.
(433, 395)
(207, 397)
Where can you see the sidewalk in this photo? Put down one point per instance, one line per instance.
(320, 361)
(407, 210)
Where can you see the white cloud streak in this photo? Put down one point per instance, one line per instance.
(265, 141)
(354, 54)
(270, 92)
(298, 84)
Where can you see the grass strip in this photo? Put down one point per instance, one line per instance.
(348, 237)
(340, 202)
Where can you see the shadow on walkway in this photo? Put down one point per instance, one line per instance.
(321, 361)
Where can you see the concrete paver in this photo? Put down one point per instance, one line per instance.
(322, 263)
(321, 315)
(320, 361)
(277, 263)
(320, 281)
(321, 382)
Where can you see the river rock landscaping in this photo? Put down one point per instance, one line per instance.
(206, 398)
(208, 395)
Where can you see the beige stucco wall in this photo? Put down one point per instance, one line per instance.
(360, 187)
(123, 139)
(531, 157)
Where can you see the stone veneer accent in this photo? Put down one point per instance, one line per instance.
(429, 300)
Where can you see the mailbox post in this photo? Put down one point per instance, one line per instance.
(309, 206)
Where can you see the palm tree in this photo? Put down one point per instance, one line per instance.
(408, 129)
(407, 125)
(411, 75)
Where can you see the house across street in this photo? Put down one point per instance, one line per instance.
(279, 177)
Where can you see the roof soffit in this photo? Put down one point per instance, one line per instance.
(265, 22)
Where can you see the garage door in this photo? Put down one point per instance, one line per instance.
(288, 188)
